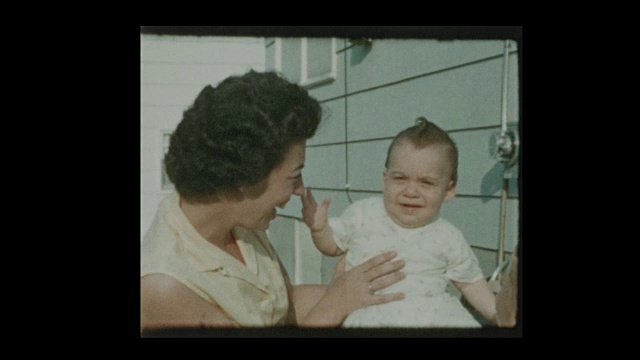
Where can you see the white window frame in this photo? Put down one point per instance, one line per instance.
(304, 76)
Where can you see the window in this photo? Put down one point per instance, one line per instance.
(317, 61)
(309, 61)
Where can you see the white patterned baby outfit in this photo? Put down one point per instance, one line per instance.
(434, 254)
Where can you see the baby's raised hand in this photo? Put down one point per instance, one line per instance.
(313, 215)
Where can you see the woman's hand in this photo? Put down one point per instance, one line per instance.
(355, 289)
(340, 267)
(507, 298)
(313, 215)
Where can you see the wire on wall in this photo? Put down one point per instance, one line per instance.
(346, 129)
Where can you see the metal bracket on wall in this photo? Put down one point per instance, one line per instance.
(364, 42)
(504, 146)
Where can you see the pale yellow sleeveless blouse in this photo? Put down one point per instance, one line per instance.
(251, 295)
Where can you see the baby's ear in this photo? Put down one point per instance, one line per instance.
(451, 191)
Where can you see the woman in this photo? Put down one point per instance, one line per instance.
(237, 154)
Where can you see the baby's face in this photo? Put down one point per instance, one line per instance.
(416, 184)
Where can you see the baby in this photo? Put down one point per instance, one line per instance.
(420, 175)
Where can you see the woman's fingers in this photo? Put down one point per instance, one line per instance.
(380, 272)
(379, 265)
(386, 281)
(385, 269)
(385, 298)
(356, 288)
(377, 260)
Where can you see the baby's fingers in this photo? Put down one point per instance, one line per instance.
(305, 197)
(324, 208)
(310, 197)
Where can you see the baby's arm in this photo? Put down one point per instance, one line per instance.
(316, 219)
(480, 297)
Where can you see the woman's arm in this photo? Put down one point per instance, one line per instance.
(480, 297)
(305, 298)
(166, 302)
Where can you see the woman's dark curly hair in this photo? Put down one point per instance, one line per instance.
(235, 134)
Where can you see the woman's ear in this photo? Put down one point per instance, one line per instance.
(253, 191)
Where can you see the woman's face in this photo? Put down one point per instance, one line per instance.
(283, 181)
(416, 184)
